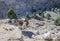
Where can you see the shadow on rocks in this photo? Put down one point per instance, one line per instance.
(28, 33)
(39, 18)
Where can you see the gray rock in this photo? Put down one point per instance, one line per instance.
(13, 21)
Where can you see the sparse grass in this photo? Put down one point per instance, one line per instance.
(27, 16)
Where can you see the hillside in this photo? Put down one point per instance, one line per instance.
(23, 6)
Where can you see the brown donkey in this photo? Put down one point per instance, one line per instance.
(20, 22)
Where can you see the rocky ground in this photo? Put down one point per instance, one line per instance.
(37, 30)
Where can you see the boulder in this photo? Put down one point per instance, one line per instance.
(14, 39)
(13, 20)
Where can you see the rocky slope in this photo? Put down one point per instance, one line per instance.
(37, 30)
(9, 33)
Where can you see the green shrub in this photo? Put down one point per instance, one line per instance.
(52, 9)
(11, 14)
(27, 16)
(48, 16)
(58, 10)
(40, 14)
(57, 21)
(33, 15)
(43, 15)
(55, 9)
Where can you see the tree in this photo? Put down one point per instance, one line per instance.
(11, 14)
